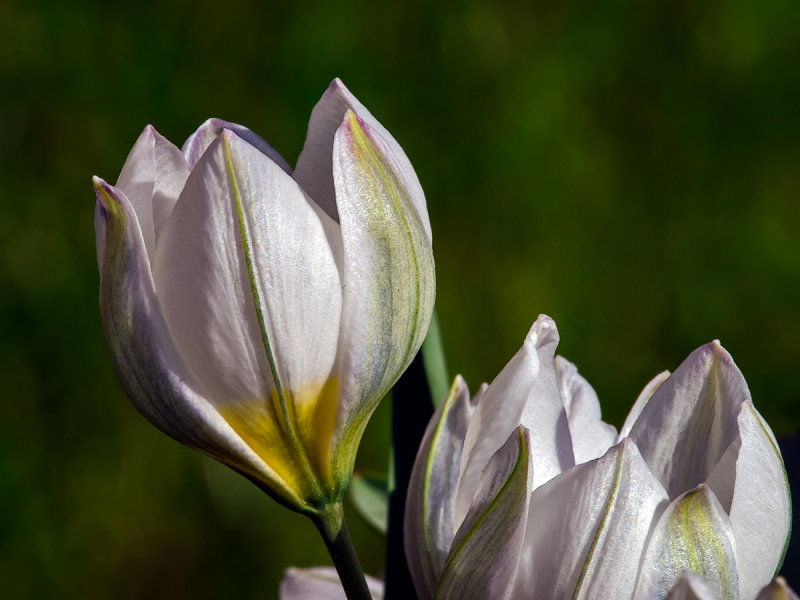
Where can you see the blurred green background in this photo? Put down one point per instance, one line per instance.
(631, 169)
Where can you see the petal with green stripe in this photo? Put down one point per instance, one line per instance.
(429, 523)
(694, 534)
(388, 277)
(588, 528)
(487, 548)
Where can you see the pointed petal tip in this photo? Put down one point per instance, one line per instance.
(352, 123)
(711, 353)
(459, 384)
(524, 435)
(542, 331)
(214, 124)
(105, 192)
(715, 347)
(337, 85)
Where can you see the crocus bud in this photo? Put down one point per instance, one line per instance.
(259, 315)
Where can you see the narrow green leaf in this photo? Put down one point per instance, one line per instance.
(369, 492)
(434, 362)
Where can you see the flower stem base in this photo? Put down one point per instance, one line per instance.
(332, 527)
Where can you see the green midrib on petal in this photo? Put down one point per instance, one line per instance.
(521, 462)
(693, 535)
(365, 143)
(429, 474)
(247, 250)
(612, 496)
(349, 441)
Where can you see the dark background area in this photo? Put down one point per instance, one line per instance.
(631, 169)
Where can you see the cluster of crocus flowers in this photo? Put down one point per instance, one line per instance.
(524, 492)
(259, 313)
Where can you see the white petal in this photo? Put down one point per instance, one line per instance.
(691, 587)
(591, 436)
(761, 511)
(524, 393)
(388, 276)
(777, 590)
(429, 520)
(145, 357)
(313, 170)
(641, 402)
(693, 534)
(152, 179)
(588, 528)
(207, 275)
(690, 421)
(320, 583)
(251, 293)
(486, 549)
(200, 140)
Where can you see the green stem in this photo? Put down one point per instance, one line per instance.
(333, 529)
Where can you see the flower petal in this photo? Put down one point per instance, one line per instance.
(313, 170)
(777, 590)
(147, 362)
(591, 436)
(486, 549)
(691, 587)
(690, 421)
(761, 510)
(429, 520)
(588, 528)
(641, 402)
(320, 583)
(152, 179)
(524, 393)
(251, 293)
(200, 140)
(388, 277)
(693, 534)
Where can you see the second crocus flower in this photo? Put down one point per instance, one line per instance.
(524, 492)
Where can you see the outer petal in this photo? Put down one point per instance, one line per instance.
(486, 549)
(147, 362)
(430, 521)
(777, 590)
(691, 587)
(388, 277)
(152, 178)
(320, 583)
(591, 437)
(313, 170)
(693, 534)
(690, 421)
(641, 402)
(588, 528)
(761, 510)
(200, 140)
(525, 392)
(251, 293)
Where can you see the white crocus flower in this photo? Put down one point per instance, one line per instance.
(523, 492)
(259, 314)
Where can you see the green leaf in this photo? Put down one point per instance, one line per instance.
(435, 364)
(369, 492)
